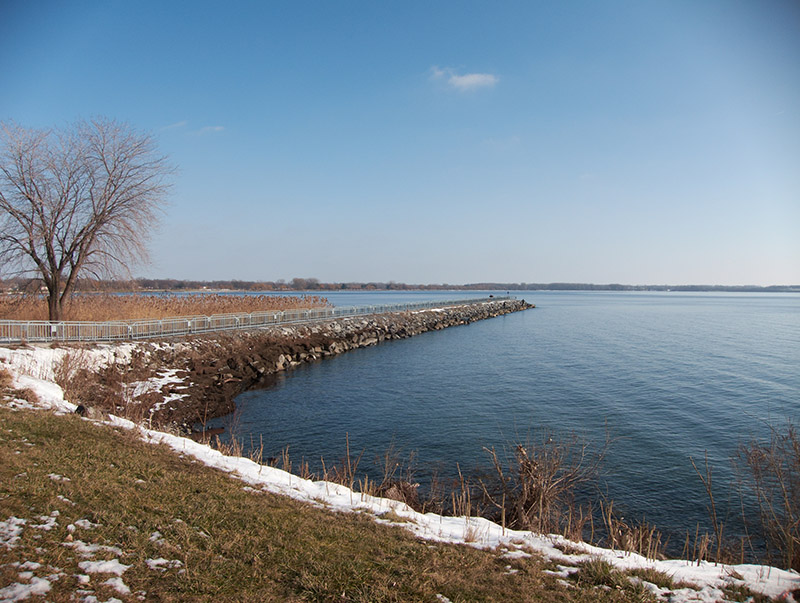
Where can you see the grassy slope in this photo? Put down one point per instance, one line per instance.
(232, 543)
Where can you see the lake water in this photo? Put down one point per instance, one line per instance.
(672, 375)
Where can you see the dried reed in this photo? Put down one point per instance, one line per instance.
(103, 307)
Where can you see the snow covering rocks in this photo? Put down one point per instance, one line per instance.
(163, 379)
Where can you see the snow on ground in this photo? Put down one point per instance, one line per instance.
(40, 361)
(33, 367)
(29, 585)
(166, 377)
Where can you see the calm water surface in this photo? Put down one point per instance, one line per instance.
(672, 375)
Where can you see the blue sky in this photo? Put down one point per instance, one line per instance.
(427, 142)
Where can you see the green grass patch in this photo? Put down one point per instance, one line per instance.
(600, 575)
(660, 579)
(91, 493)
(744, 594)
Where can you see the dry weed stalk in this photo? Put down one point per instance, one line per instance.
(303, 469)
(773, 476)
(462, 497)
(718, 526)
(641, 538)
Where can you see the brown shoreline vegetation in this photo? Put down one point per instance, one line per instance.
(100, 307)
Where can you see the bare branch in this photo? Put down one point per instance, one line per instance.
(85, 198)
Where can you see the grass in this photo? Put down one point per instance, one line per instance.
(603, 577)
(103, 307)
(744, 595)
(222, 541)
(660, 579)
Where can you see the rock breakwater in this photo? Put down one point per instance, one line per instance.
(224, 366)
(182, 382)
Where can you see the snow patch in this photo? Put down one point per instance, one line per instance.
(164, 378)
(11, 531)
(118, 585)
(112, 566)
(19, 592)
(48, 522)
(162, 564)
(157, 539)
(90, 550)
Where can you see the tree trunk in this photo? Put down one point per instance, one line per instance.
(53, 306)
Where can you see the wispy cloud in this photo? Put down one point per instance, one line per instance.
(464, 82)
(176, 125)
(211, 129)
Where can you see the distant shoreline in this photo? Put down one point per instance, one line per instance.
(316, 287)
(495, 287)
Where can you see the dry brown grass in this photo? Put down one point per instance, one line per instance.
(5, 379)
(228, 542)
(103, 307)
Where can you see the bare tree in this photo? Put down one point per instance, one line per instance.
(78, 200)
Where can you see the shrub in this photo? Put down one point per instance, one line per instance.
(533, 487)
(773, 476)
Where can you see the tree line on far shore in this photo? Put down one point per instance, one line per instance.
(313, 284)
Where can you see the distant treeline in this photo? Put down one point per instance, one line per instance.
(313, 284)
(618, 287)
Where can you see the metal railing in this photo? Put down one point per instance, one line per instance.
(17, 331)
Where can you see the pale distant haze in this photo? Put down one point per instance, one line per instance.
(429, 142)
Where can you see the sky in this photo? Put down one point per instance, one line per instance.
(441, 142)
